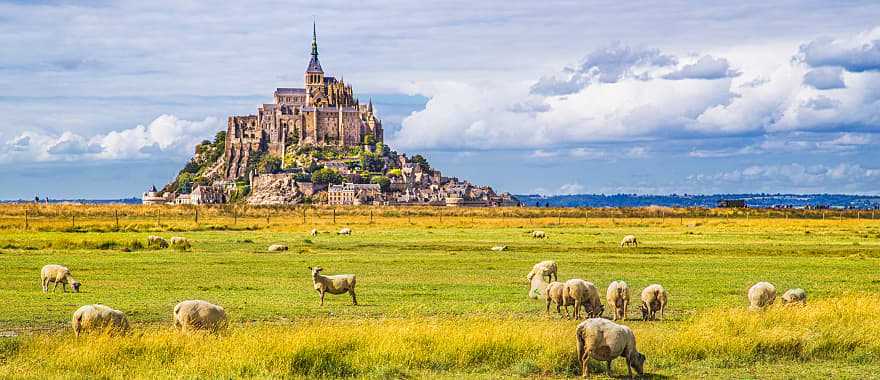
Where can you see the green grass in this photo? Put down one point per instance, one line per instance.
(423, 282)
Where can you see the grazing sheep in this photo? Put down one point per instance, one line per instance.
(629, 240)
(180, 243)
(554, 293)
(199, 315)
(313, 232)
(537, 286)
(654, 299)
(538, 234)
(499, 248)
(618, 299)
(157, 241)
(794, 296)
(761, 295)
(338, 284)
(545, 268)
(604, 340)
(57, 274)
(98, 317)
(584, 294)
(344, 231)
(277, 248)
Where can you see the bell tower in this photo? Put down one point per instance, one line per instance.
(314, 77)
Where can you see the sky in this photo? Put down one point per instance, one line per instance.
(101, 99)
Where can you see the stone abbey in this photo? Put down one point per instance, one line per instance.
(323, 113)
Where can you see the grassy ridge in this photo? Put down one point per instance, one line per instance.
(435, 300)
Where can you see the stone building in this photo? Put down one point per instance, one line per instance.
(323, 113)
(353, 194)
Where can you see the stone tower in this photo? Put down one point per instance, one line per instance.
(314, 74)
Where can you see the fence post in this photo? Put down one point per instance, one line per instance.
(158, 218)
(304, 215)
(334, 216)
(197, 215)
(234, 215)
(267, 217)
(116, 216)
(25, 219)
(371, 216)
(73, 221)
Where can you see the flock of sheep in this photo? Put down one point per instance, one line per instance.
(597, 338)
(605, 340)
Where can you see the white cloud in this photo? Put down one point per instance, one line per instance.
(165, 137)
(571, 188)
(795, 176)
(857, 53)
(825, 78)
(707, 67)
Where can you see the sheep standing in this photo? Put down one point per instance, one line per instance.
(277, 248)
(313, 232)
(761, 295)
(98, 317)
(344, 231)
(629, 240)
(554, 293)
(545, 268)
(654, 299)
(499, 248)
(604, 340)
(57, 274)
(584, 294)
(618, 299)
(794, 296)
(338, 284)
(180, 243)
(538, 234)
(199, 315)
(157, 241)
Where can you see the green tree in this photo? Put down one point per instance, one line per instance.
(394, 173)
(326, 176)
(269, 164)
(383, 182)
(422, 162)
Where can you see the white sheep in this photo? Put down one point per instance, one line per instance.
(584, 294)
(538, 234)
(554, 292)
(157, 241)
(795, 296)
(98, 317)
(761, 295)
(545, 268)
(499, 248)
(603, 340)
(629, 240)
(313, 232)
(180, 243)
(654, 299)
(277, 248)
(338, 284)
(199, 315)
(57, 274)
(344, 231)
(618, 299)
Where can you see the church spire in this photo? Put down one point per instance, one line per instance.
(314, 40)
(314, 63)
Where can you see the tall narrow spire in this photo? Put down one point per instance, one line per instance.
(314, 40)
(314, 64)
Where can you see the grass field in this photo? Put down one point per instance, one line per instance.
(434, 301)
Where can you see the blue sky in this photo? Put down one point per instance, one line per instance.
(102, 99)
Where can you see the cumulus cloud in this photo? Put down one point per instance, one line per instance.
(825, 78)
(571, 188)
(707, 67)
(858, 53)
(795, 176)
(165, 137)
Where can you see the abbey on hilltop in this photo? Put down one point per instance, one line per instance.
(322, 113)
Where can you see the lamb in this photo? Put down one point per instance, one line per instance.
(554, 293)
(499, 248)
(313, 232)
(98, 317)
(338, 284)
(538, 234)
(654, 299)
(795, 296)
(57, 274)
(545, 268)
(629, 240)
(277, 248)
(157, 241)
(344, 231)
(180, 243)
(584, 294)
(199, 315)
(618, 299)
(761, 295)
(604, 340)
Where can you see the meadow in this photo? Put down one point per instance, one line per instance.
(434, 301)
